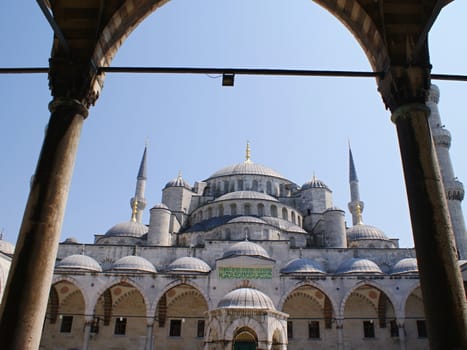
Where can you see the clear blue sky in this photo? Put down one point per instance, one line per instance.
(297, 126)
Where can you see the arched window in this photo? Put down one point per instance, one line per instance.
(293, 217)
(239, 185)
(285, 214)
(220, 210)
(254, 187)
(247, 209)
(268, 187)
(233, 209)
(260, 209)
(209, 212)
(226, 186)
(274, 211)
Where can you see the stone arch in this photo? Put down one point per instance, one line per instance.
(354, 17)
(80, 285)
(65, 317)
(181, 314)
(121, 280)
(405, 297)
(173, 284)
(367, 311)
(360, 284)
(312, 284)
(244, 334)
(245, 322)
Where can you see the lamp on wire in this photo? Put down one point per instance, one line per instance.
(228, 79)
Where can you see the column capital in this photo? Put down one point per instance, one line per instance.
(65, 102)
(402, 85)
(75, 79)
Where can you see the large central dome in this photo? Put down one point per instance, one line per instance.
(246, 168)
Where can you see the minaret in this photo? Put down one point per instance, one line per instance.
(355, 204)
(454, 188)
(138, 202)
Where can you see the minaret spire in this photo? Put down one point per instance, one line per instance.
(138, 202)
(355, 204)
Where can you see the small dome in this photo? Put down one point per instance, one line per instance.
(407, 265)
(247, 220)
(127, 229)
(361, 232)
(303, 265)
(246, 298)
(6, 247)
(246, 168)
(133, 263)
(160, 206)
(314, 183)
(178, 182)
(357, 266)
(246, 248)
(78, 262)
(188, 264)
(71, 240)
(246, 195)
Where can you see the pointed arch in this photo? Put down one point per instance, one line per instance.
(332, 303)
(360, 284)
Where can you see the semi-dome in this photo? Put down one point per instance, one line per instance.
(127, 229)
(246, 195)
(246, 168)
(358, 266)
(283, 224)
(407, 265)
(78, 262)
(246, 298)
(303, 265)
(246, 248)
(314, 183)
(246, 220)
(362, 231)
(188, 264)
(178, 182)
(133, 263)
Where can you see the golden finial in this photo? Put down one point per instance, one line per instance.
(358, 212)
(135, 210)
(248, 153)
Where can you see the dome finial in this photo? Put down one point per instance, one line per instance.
(135, 210)
(248, 153)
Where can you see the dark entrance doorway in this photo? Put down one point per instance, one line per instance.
(245, 340)
(244, 345)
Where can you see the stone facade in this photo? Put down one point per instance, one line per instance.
(245, 259)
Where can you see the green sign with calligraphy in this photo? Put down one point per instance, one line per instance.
(263, 273)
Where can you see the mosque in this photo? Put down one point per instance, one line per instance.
(245, 259)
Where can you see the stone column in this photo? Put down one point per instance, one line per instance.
(149, 336)
(340, 333)
(87, 332)
(25, 300)
(441, 282)
(401, 329)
